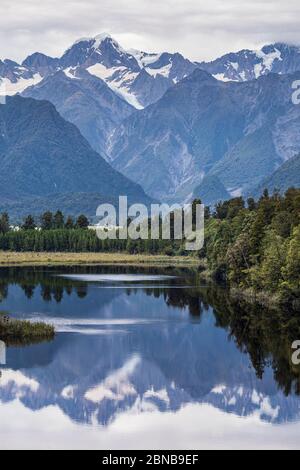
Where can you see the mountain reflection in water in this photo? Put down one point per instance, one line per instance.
(159, 343)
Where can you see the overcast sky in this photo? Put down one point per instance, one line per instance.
(200, 29)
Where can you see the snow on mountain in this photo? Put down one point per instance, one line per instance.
(102, 84)
(249, 65)
(144, 58)
(139, 78)
(119, 80)
(10, 88)
(15, 78)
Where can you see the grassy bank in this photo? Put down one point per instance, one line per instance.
(63, 259)
(15, 332)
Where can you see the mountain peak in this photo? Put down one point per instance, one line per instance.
(95, 40)
(38, 60)
(102, 37)
(98, 49)
(200, 75)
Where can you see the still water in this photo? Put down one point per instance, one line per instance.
(145, 358)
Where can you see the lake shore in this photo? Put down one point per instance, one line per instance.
(8, 259)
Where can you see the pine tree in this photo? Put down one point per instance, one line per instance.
(251, 204)
(4, 223)
(47, 221)
(29, 223)
(58, 221)
(82, 222)
(69, 223)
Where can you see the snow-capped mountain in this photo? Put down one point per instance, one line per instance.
(139, 78)
(15, 78)
(102, 89)
(250, 65)
(96, 84)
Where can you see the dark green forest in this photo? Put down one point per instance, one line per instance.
(255, 246)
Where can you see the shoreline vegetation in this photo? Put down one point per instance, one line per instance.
(20, 332)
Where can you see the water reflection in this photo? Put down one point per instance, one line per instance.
(147, 347)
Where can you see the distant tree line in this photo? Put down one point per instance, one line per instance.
(57, 233)
(50, 221)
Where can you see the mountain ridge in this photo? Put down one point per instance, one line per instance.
(145, 114)
(237, 132)
(122, 67)
(43, 155)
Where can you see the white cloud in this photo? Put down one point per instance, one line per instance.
(197, 28)
(192, 427)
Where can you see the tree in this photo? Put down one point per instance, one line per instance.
(207, 213)
(47, 221)
(273, 259)
(266, 194)
(82, 222)
(4, 223)
(251, 204)
(292, 268)
(69, 223)
(29, 223)
(58, 220)
(235, 206)
(221, 210)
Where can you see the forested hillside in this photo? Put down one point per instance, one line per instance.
(256, 247)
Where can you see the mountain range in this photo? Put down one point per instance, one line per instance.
(178, 128)
(248, 65)
(45, 157)
(239, 133)
(142, 78)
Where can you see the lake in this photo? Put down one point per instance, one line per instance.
(145, 358)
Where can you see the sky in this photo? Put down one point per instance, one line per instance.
(199, 29)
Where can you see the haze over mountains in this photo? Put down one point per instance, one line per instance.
(176, 127)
